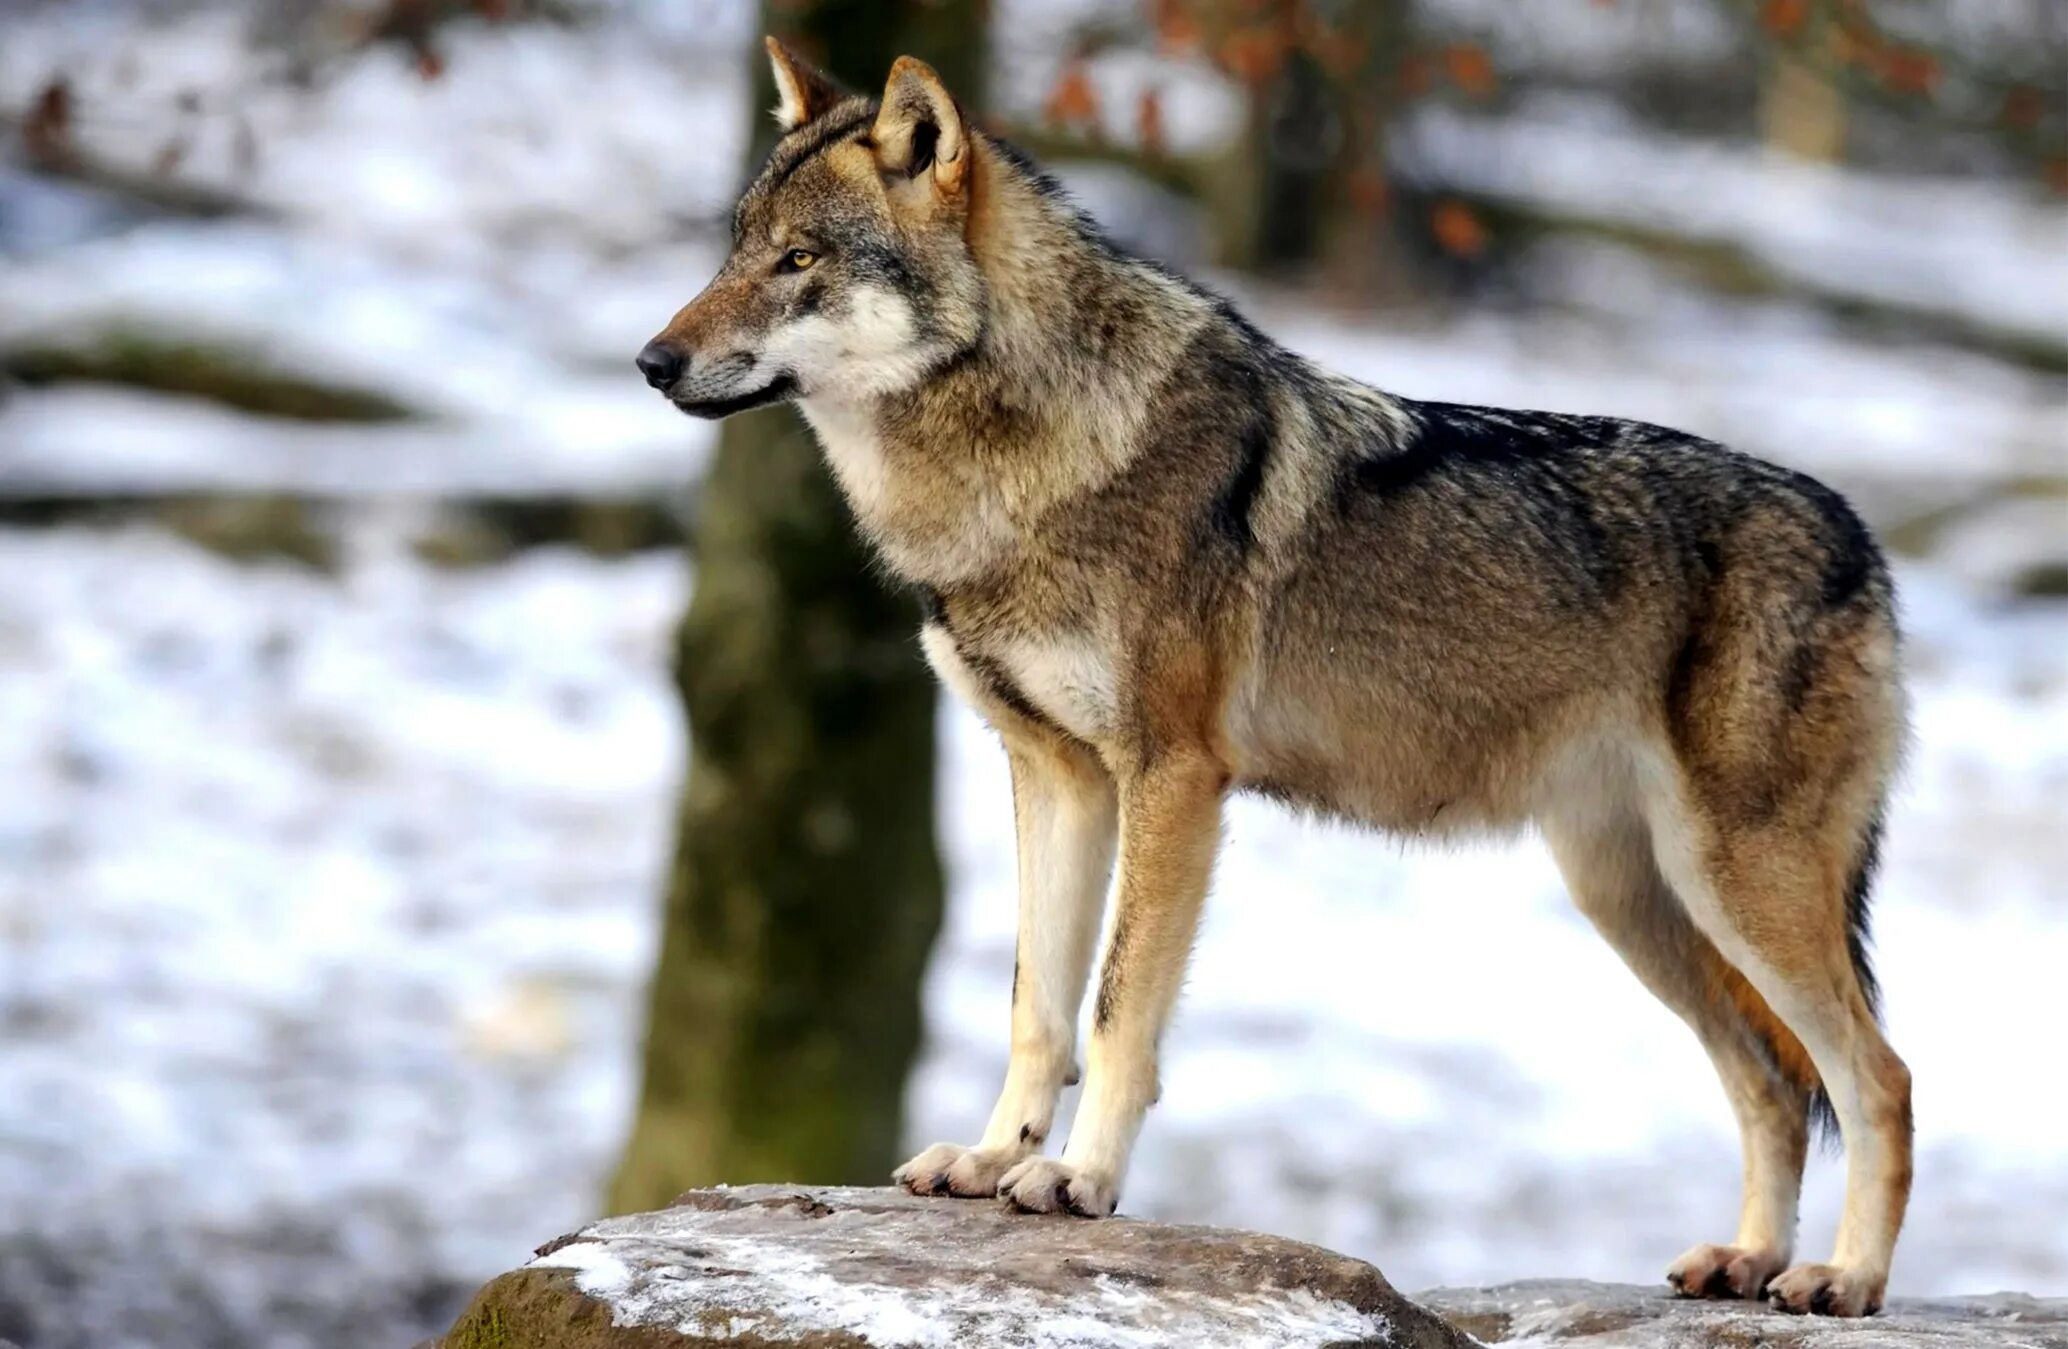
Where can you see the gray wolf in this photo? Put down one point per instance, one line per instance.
(1168, 559)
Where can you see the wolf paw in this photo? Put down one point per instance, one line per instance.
(950, 1168)
(1825, 1290)
(1044, 1185)
(1723, 1272)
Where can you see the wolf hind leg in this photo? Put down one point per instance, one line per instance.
(1604, 851)
(1775, 898)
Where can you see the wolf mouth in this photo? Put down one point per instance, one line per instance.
(781, 387)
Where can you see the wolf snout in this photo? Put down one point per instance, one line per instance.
(660, 363)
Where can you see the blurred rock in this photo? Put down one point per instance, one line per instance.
(852, 1267)
(1573, 1311)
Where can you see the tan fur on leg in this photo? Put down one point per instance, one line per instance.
(1604, 851)
(1065, 813)
(1774, 901)
(1169, 829)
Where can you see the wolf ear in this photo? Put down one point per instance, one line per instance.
(803, 91)
(920, 127)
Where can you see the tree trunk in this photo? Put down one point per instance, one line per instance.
(1305, 193)
(806, 890)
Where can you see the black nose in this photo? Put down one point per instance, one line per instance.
(660, 364)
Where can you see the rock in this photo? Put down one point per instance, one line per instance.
(775, 1265)
(838, 1268)
(1543, 1312)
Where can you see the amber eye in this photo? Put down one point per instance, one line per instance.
(796, 260)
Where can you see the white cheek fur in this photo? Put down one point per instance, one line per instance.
(866, 351)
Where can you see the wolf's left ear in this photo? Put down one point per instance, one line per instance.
(920, 127)
(803, 91)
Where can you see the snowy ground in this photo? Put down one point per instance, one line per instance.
(325, 906)
(325, 899)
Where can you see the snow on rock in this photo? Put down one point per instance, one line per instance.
(771, 1264)
(1573, 1311)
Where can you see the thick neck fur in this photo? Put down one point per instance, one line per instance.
(1050, 400)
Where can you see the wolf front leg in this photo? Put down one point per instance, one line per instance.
(1170, 816)
(1064, 811)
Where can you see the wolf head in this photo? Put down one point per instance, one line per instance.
(850, 275)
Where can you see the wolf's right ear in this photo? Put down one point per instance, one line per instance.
(803, 91)
(920, 126)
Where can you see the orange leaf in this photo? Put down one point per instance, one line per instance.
(1254, 54)
(1470, 69)
(1458, 231)
(1908, 70)
(429, 64)
(2022, 108)
(1783, 18)
(2057, 174)
(1149, 121)
(1177, 28)
(1073, 101)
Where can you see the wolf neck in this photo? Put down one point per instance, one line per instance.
(1051, 401)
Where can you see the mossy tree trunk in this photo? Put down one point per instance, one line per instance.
(806, 889)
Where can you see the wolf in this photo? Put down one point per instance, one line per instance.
(1168, 559)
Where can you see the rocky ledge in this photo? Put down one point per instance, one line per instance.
(826, 1268)
(1599, 1315)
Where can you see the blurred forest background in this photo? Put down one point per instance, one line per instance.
(361, 614)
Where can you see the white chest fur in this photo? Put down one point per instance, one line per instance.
(1069, 680)
(1070, 677)
(855, 452)
(934, 534)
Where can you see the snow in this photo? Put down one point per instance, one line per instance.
(1998, 258)
(673, 1269)
(326, 899)
(327, 902)
(323, 903)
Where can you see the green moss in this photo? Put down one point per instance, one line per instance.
(252, 528)
(2042, 580)
(198, 369)
(1919, 534)
(483, 531)
(541, 1308)
(483, 1330)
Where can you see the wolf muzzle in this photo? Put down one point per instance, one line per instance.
(665, 365)
(660, 363)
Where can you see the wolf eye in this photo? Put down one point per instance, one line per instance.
(796, 260)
